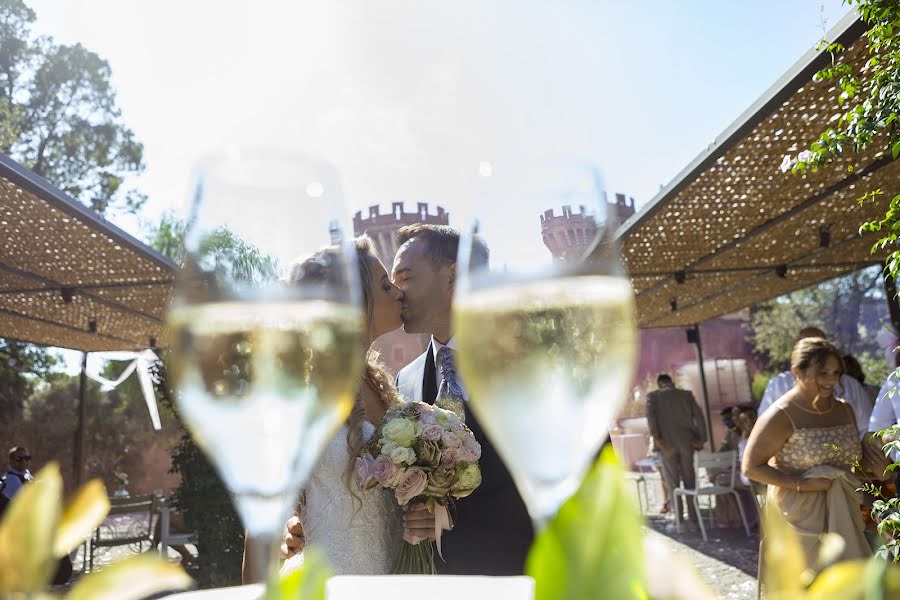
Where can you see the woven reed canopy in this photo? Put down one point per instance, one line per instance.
(64, 268)
(732, 229)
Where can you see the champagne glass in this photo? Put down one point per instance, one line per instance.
(265, 368)
(546, 332)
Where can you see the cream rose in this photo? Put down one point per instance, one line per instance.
(400, 431)
(469, 479)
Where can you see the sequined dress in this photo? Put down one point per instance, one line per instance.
(828, 452)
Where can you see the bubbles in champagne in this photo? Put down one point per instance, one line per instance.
(263, 386)
(546, 366)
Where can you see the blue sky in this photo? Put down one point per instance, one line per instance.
(400, 94)
(647, 84)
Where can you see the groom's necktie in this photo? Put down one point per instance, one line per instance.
(450, 394)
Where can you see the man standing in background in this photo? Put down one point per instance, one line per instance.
(678, 430)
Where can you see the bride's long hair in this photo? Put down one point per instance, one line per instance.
(375, 376)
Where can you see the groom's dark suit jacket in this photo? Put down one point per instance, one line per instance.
(492, 530)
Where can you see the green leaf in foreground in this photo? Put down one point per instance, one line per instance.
(84, 513)
(594, 546)
(27, 533)
(306, 583)
(131, 579)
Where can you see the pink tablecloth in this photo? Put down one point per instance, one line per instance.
(630, 447)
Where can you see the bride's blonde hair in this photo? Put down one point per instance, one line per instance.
(375, 376)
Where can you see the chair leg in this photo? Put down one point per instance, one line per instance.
(676, 505)
(740, 505)
(646, 498)
(700, 519)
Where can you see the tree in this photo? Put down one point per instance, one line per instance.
(869, 108)
(849, 309)
(59, 118)
(20, 367)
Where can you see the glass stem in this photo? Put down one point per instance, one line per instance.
(259, 556)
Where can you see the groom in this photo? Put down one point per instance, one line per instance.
(492, 530)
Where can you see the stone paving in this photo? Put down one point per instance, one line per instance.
(727, 562)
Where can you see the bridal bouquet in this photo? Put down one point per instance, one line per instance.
(425, 454)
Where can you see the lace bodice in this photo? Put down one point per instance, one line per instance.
(813, 446)
(359, 533)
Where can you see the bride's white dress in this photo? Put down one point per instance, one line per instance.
(360, 533)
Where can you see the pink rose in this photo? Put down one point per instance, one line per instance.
(413, 484)
(426, 417)
(451, 440)
(472, 447)
(386, 472)
(365, 473)
(432, 433)
(450, 456)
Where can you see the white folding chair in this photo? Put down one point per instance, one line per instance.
(708, 461)
(166, 536)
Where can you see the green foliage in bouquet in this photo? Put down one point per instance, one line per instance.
(37, 531)
(593, 548)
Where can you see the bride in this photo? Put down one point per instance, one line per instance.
(360, 533)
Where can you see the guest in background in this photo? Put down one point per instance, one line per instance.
(804, 448)
(848, 389)
(678, 430)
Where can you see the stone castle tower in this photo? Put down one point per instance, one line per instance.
(571, 233)
(397, 348)
(381, 228)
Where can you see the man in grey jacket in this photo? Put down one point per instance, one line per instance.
(678, 430)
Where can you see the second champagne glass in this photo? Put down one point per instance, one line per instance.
(546, 330)
(265, 368)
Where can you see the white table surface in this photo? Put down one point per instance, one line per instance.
(395, 587)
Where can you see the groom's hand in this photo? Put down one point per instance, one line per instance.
(293, 539)
(418, 523)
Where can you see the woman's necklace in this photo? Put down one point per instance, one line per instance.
(812, 409)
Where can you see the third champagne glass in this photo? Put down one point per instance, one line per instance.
(546, 330)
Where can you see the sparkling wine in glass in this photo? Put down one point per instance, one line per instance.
(265, 365)
(546, 330)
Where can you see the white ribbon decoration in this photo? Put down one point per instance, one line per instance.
(140, 362)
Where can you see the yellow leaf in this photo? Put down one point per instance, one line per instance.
(135, 577)
(27, 531)
(784, 560)
(843, 580)
(81, 516)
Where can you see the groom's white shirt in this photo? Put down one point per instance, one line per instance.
(410, 377)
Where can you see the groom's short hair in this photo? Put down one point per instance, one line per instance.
(442, 243)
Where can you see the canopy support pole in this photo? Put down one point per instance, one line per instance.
(78, 455)
(693, 336)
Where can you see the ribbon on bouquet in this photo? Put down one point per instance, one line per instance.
(442, 523)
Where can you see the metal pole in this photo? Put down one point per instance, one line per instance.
(699, 346)
(78, 455)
